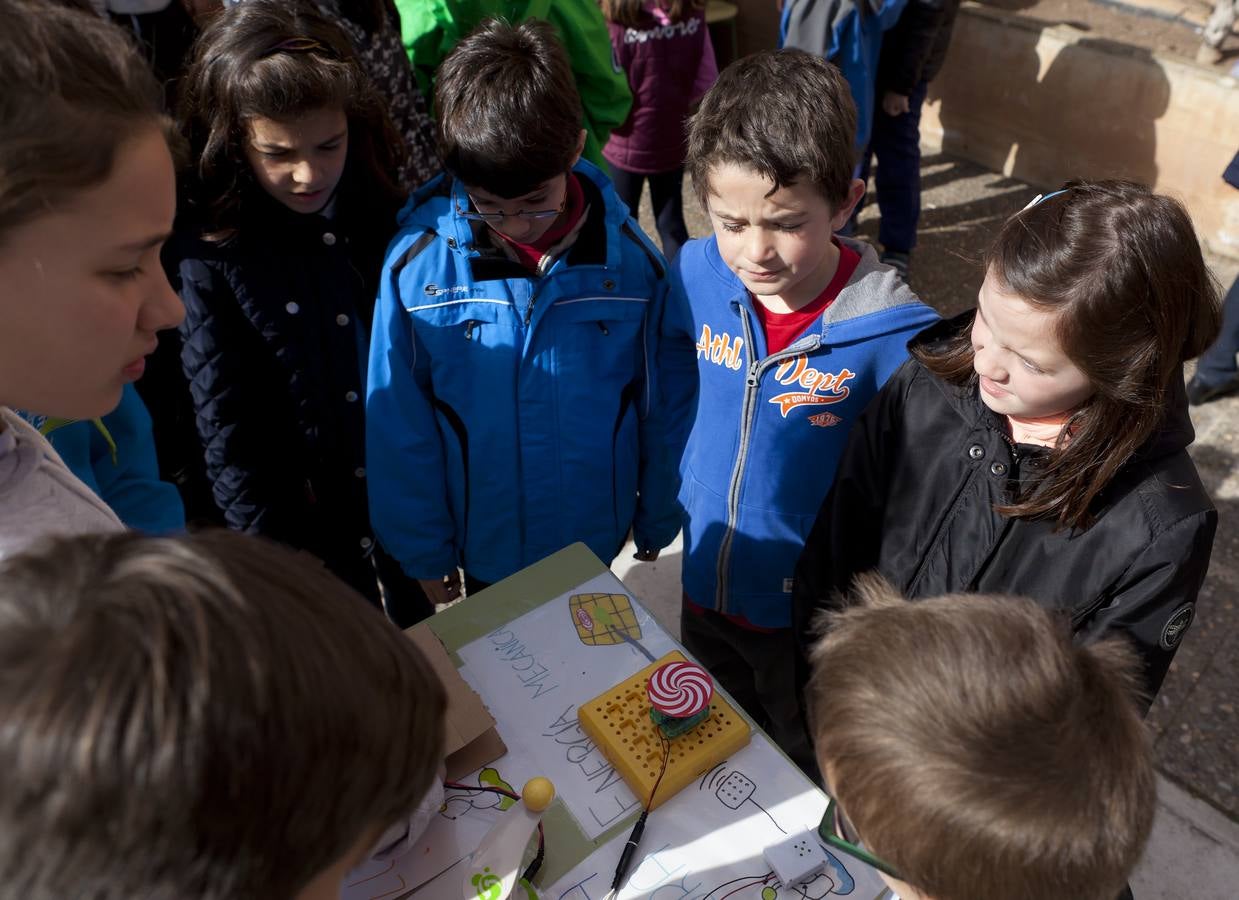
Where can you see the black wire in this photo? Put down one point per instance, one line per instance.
(536, 863)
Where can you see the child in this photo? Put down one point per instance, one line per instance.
(432, 30)
(849, 34)
(204, 717)
(795, 332)
(114, 455)
(912, 53)
(1039, 445)
(1217, 374)
(662, 45)
(87, 198)
(294, 201)
(975, 751)
(513, 404)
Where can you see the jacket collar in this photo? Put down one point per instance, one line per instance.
(436, 207)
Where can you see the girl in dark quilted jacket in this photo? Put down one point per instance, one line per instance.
(292, 200)
(1037, 445)
(664, 46)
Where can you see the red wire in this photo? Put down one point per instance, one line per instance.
(662, 772)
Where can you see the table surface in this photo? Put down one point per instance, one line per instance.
(516, 644)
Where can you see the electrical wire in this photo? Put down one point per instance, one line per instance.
(536, 863)
(751, 879)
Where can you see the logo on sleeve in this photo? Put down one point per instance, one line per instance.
(1176, 626)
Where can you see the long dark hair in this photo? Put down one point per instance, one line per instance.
(1121, 268)
(279, 60)
(632, 12)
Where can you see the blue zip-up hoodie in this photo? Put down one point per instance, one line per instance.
(509, 414)
(769, 430)
(114, 456)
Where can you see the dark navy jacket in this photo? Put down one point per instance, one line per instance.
(275, 333)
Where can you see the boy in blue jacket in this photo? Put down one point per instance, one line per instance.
(795, 330)
(513, 406)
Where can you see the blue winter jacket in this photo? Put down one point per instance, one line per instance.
(769, 430)
(849, 34)
(115, 457)
(509, 414)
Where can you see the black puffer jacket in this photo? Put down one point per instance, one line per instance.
(914, 498)
(275, 335)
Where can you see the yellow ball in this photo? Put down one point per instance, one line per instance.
(538, 793)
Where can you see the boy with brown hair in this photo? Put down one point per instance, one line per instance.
(973, 750)
(203, 717)
(795, 330)
(514, 403)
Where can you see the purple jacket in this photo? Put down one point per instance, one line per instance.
(670, 65)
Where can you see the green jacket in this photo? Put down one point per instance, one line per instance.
(431, 28)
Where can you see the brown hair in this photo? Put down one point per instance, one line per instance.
(508, 110)
(204, 717)
(75, 90)
(1019, 761)
(278, 60)
(1122, 269)
(631, 13)
(785, 114)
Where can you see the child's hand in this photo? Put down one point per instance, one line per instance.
(442, 590)
(646, 555)
(895, 104)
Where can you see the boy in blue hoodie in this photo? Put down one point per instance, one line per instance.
(795, 329)
(512, 406)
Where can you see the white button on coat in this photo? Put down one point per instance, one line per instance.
(351, 396)
(329, 239)
(292, 308)
(342, 320)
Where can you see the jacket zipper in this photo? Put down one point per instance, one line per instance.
(752, 388)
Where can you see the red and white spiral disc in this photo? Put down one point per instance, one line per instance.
(680, 689)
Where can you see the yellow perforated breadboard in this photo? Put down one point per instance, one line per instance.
(618, 721)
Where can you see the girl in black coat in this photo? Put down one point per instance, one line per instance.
(292, 204)
(1037, 445)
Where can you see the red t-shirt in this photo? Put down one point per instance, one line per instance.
(783, 328)
(574, 207)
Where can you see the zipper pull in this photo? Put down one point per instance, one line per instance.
(751, 381)
(469, 326)
(603, 328)
(529, 309)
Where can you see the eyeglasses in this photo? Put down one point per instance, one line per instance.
(497, 217)
(837, 831)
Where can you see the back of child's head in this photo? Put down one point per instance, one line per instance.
(633, 13)
(980, 752)
(201, 717)
(75, 90)
(785, 114)
(1121, 268)
(509, 115)
(279, 60)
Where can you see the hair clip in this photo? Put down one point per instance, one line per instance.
(296, 45)
(1041, 198)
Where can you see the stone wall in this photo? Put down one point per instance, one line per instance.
(1045, 103)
